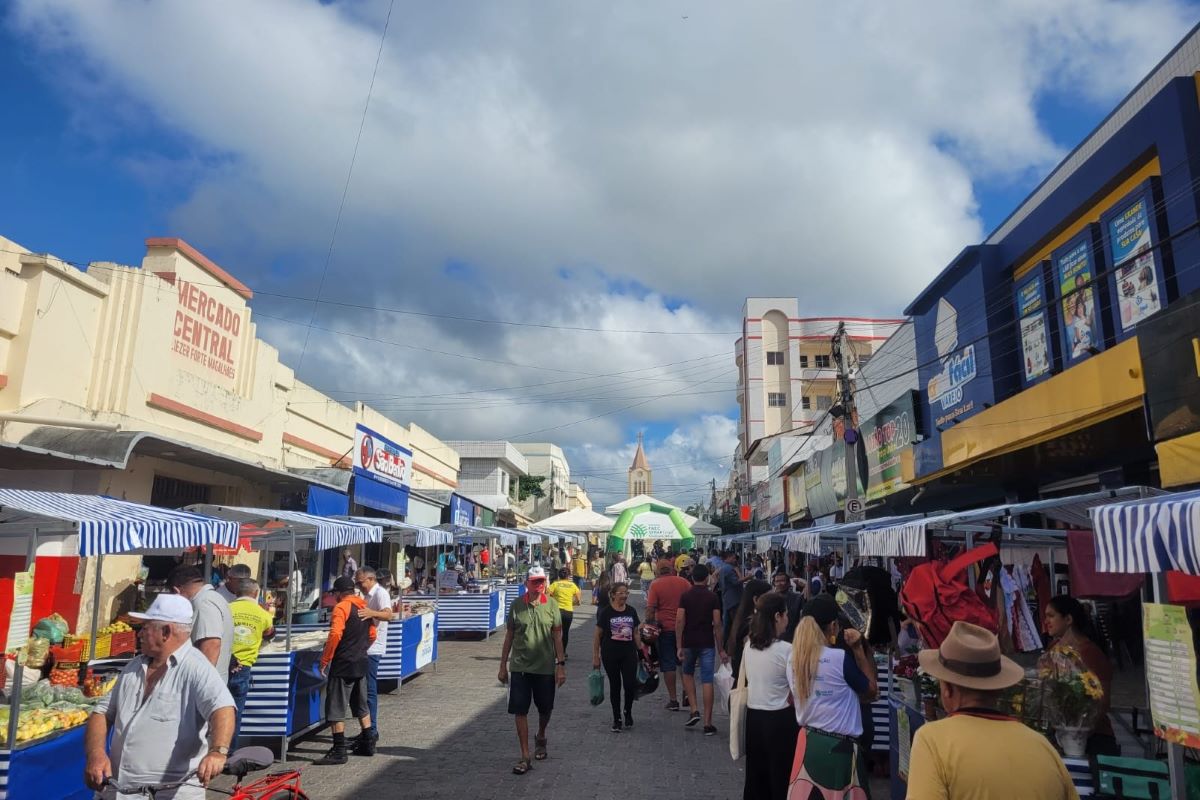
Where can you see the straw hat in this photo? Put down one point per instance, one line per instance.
(970, 657)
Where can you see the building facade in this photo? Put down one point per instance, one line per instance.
(577, 497)
(547, 461)
(490, 473)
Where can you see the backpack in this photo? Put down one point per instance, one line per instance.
(936, 595)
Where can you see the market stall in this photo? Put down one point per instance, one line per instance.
(997, 525)
(286, 698)
(42, 725)
(480, 607)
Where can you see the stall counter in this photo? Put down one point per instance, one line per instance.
(48, 768)
(471, 613)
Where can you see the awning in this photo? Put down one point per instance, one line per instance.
(328, 533)
(470, 533)
(809, 540)
(407, 533)
(375, 494)
(107, 526)
(898, 539)
(1156, 534)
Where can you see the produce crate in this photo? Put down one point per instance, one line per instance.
(123, 644)
(67, 656)
(102, 649)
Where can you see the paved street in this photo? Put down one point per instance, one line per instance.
(446, 735)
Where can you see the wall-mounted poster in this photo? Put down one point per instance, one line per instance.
(1035, 344)
(1137, 275)
(1075, 271)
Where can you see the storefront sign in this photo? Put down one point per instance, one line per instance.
(207, 333)
(825, 480)
(1137, 277)
(1035, 343)
(885, 438)
(381, 459)
(1074, 271)
(958, 364)
(462, 511)
(1169, 344)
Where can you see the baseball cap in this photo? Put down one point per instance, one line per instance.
(167, 608)
(536, 574)
(343, 584)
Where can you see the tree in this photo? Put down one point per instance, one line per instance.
(530, 486)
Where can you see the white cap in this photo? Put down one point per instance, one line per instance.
(535, 572)
(167, 608)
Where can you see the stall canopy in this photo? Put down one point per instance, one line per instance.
(407, 533)
(109, 526)
(894, 538)
(329, 533)
(1154, 535)
(809, 540)
(579, 520)
(469, 533)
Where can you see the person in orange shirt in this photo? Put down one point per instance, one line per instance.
(344, 661)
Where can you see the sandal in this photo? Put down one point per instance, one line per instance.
(539, 749)
(522, 766)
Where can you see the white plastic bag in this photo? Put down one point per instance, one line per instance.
(722, 686)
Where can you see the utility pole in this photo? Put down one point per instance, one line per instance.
(855, 510)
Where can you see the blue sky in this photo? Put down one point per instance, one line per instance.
(638, 178)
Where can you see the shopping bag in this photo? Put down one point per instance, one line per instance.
(596, 686)
(722, 686)
(737, 713)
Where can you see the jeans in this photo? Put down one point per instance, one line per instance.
(704, 656)
(239, 687)
(373, 689)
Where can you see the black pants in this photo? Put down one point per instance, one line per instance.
(770, 749)
(621, 664)
(567, 616)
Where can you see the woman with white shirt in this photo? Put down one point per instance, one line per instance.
(826, 684)
(770, 721)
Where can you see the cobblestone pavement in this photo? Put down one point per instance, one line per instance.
(446, 734)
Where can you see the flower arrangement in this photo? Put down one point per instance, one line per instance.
(1072, 693)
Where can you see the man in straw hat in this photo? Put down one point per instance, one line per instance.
(978, 753)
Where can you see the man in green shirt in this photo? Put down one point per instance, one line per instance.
(533, 638)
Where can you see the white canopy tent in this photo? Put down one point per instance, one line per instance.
(578, 520)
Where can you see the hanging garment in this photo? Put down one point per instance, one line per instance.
(1086, 582)
(936, 595)
(1024, 629)
(1040, 576)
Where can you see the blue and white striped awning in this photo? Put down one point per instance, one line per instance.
(805, 542)
(108, 526)
(470, 533)
(407, 533)
(327, 532)
(1152, 535)
(902, 539)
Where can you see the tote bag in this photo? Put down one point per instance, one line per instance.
(738, 699)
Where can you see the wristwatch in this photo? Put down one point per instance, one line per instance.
(219, 750)
(560, 663)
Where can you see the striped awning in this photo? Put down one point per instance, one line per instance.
(804, 542)
(470, 533)
(903, 539)
(1152, 535)
(328, 532)
(407, 533)
(108, 526)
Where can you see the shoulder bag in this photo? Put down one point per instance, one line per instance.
(738, 700)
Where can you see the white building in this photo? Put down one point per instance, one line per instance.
(577, 497)
(546, 460)
(490, 473)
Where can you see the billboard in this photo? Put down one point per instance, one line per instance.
(1033, 327)
(1074, 275)
(1137, 275)
(825, 481)
(381, 459)
(885, 438)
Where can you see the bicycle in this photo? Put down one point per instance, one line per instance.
(284, 785)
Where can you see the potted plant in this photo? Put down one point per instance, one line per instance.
(1071, 698)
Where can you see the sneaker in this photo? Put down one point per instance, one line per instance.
(628, 719)
(673, 705)
(693, 720)
(710, 730)
(364, 743)
(616, 726)
(335, 757)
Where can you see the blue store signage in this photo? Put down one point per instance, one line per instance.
(462, 511)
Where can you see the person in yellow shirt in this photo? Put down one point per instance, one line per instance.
(252, 626)
(978, 753)
(679, 559)
(579, 567)
(566, 594)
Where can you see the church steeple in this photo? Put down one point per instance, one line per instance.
(641, 480)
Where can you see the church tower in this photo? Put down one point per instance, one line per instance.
(641, 480)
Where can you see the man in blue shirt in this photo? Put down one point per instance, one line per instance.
(729, 584)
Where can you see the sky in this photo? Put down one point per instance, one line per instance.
(574, 197)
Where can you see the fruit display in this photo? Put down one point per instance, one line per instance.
(116, 627)
(47, 709)
(64, 677)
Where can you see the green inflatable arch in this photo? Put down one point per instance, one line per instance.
(616, 537)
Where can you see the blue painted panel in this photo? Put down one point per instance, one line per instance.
(327, 503)
(380, 496)
(51, 769)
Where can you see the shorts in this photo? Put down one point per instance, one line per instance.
(527, 687)
(346, 698)
(705, 656)
(668, 655)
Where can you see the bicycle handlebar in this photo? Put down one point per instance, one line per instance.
(149, 789)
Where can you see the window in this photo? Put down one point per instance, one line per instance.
(775, 357)
(776, 399)
(803, 362)
(824, 403)
(806, 403)
(822, 362)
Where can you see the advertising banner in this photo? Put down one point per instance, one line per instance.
(462, 511)
(1035, 343)
(825, 481)
(797, 500)
(885, 437)
(1137, 278)
(381, 459)
(1075, 271)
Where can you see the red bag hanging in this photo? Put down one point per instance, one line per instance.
(937, 595)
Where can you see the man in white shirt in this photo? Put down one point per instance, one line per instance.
(229, 589)
(379, 608)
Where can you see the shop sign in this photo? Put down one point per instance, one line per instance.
(381, 459)
(206, 334)
(1137, 275)
(1075, 271)
(885, 438)
(825, 480)
(462, 511)
(958, 365)
(1035, 343)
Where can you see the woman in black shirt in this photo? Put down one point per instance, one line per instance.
(616, 645)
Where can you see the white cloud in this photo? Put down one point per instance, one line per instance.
(823, 151)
